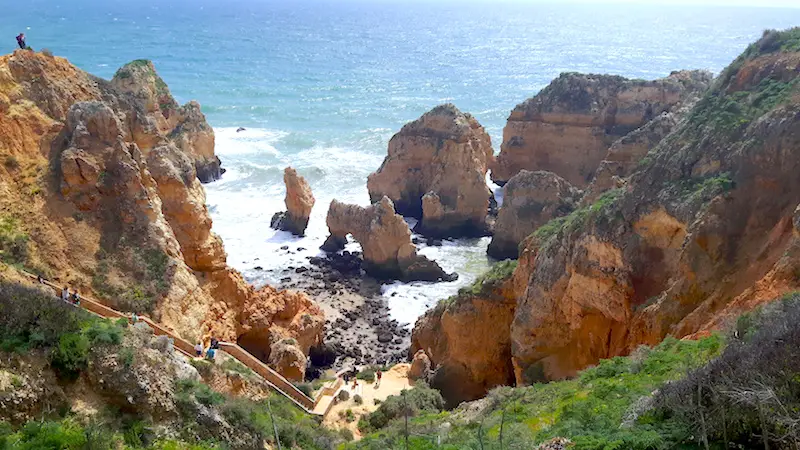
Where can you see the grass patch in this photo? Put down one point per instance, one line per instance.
(588, 409)
(578, 218)
(13, 241)
(498, 273)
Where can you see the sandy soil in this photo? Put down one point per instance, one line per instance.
(392, 382)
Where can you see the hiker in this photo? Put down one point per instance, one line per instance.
(39, 279)
(134, 318)
(214, 343)
(76, 298)
(198, 349)
(21, 41)
(65, 294)
(378, 374)
(355, 384)
(210, 353)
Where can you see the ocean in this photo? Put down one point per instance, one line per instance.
(322, 85)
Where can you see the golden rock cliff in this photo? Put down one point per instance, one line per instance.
(568, 127)
(100, 186)
(705, 226)
(530, 200)
(299, 202)
(436, 171)
(385, 239)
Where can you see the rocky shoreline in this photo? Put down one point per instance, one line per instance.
(358, 328)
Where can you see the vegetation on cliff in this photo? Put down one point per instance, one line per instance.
(70, 380)
(734, 392)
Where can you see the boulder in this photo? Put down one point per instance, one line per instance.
(385, 240)
(420, 366)
(299, 202)
(436, 171)
(568, 126)
(288, 360)
(530, 200)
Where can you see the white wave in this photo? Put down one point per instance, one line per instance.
(248, 141)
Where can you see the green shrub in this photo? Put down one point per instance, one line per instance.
(367, 374)
(410, 402)
(305, 388)
(235, 366)
(51, 435)
(70, 356)
(13, 241)
(105, 332)
(346, 434)
(358, 400)
(127, 357)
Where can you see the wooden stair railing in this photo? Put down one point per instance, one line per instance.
(273, 378)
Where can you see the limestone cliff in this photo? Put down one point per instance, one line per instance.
(436, 171)
(299, 202)
(706, 227)
(385, 239)
(530, 200)
(568, 127)
(100, 187)
(158, 115)
(466, 338)
(626, 153)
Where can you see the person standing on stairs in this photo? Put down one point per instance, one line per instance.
(65, 294)
(198, 349)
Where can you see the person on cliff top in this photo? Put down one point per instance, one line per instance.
(198, 349)
(21, 41)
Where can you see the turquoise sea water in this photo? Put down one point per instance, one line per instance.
(322, 85)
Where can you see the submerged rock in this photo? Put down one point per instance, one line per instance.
(436, 171)
(299, 202)
(385, 239)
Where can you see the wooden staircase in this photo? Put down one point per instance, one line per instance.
(318, 406)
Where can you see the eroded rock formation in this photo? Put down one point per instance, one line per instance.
(698, 227)
(158, 115)
(436, 171)
(467, 341)
(706, 228)
(626, 153)
(116, 209)
(568, 127)
(299, 202)
(530, 200)
(385, 240)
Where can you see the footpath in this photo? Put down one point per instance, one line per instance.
(318, 406)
